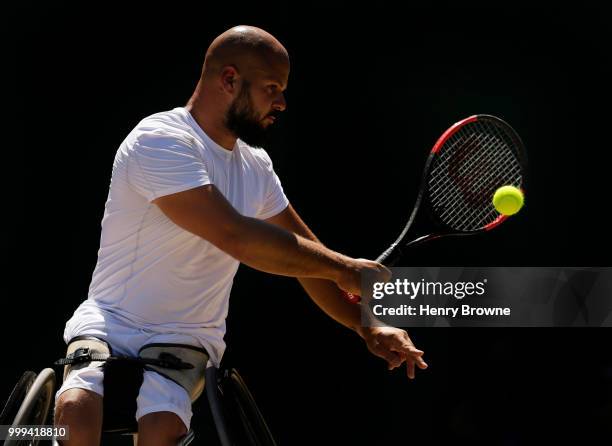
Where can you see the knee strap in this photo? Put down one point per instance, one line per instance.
(191, 378)
(83, 351)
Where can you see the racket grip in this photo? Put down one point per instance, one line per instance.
(351, 298)
(390, 256)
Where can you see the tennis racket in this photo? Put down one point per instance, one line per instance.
(468, 163)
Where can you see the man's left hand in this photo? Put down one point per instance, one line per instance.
(393, 345)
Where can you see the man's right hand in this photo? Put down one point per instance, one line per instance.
(350, 280)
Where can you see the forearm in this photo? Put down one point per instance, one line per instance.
(272, 249)
(329, 298)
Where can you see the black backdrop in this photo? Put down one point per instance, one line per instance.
(371, 89)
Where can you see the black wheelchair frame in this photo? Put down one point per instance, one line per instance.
(236, 417)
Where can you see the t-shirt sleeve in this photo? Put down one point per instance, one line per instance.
(275, 199)
(163, 164)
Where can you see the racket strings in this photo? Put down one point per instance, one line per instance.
(471, 206)
(472, 164)
(475, 197)
(478, 194)
(458, 169)
(484, 213)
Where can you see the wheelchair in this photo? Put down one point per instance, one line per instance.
(235, 416)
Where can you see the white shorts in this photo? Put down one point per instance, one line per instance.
(157, 393)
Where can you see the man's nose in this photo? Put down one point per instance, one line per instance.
(280, 103)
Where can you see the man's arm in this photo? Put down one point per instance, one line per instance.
(204, 211)
(389, 343)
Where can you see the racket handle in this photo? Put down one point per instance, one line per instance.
(351, 298)
(391, 255)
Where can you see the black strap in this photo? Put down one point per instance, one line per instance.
(166, 360)
(81, 355)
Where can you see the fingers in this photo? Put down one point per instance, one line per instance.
(411, 365)
(417, 356)
(422, 364)
(393, 359)
(406, 347)
(410, 368)
(413, 358)
(396, 347)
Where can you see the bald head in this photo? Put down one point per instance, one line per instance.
(248, 48)
(240, 93)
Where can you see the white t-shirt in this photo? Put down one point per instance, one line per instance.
(150, 271)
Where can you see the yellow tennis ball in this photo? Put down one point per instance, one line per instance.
(508, 200)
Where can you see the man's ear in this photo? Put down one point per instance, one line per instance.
(229, 78)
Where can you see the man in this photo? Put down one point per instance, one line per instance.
(190, 198)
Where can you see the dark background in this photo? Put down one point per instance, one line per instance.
(371, 89)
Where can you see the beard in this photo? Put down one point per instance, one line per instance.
(242, 120)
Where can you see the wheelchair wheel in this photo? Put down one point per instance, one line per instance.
(35, 407)
(246, 421)
(16, 397)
